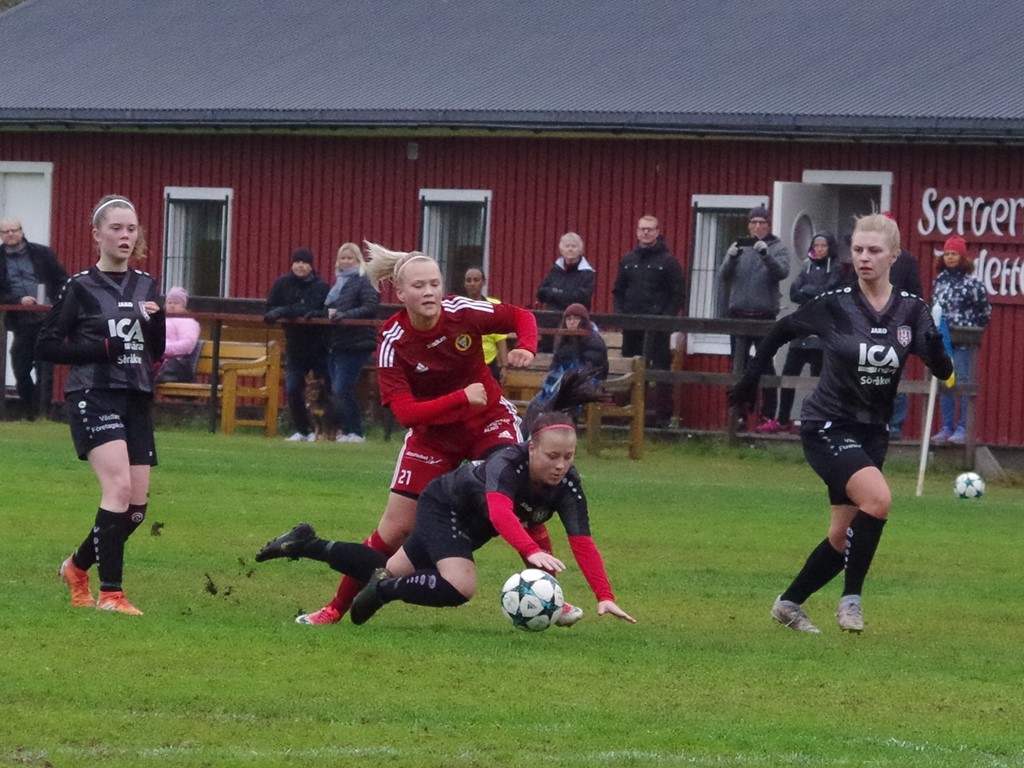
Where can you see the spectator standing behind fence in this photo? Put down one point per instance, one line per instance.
(964, 302)
(753, 268)
(570, 281)
(29, 274)
(352, 297)
(650, 282)
(820, 272)
(493, 345)
(298, 294)
(181, 352)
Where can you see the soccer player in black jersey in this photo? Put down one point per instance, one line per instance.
(868, 331)
(517, 486)
(107, 325)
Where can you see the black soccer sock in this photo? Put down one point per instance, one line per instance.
(135, 515)
(823, 565)
(862, 539)
(421, 588)
(85, 556)
(356, 560)
(109, 537)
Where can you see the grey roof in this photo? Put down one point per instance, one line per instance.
(909, 68)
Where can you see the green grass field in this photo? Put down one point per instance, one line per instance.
(698, 540)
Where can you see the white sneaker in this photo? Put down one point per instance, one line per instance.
(341, 439)
(791, 615)
(310, 438)
(569, 615)
(354, 438)
(298, 437)
(849, 614)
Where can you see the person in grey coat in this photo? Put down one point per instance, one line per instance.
(753, 268)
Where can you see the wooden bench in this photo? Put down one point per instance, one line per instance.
(245, 370)
(625, 375)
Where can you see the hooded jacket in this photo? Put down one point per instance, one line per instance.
(815, 277)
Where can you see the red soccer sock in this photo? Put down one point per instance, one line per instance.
(349, 587)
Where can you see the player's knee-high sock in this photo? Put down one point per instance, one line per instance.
(823, 565)
(135, 515)
(349, 588)
(85, 556)
(109, 536)
(862, 539)
(357, 561)
(425, 587)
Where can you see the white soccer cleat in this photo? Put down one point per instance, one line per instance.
(791, 615)
(849, 614)
(569, 615)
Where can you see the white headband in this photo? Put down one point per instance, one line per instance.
(101, 206)
(411, 258)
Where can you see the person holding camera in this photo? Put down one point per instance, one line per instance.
(753, 268)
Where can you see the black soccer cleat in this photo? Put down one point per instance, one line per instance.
(368, 601)
(287, 545)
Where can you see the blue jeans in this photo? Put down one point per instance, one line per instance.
(345, 366)
(947, 403)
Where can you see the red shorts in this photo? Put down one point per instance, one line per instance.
(430, 452)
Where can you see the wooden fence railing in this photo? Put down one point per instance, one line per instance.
(216, 314)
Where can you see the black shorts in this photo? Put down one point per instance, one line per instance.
(440, 532)
(838, 451)
(99, 416)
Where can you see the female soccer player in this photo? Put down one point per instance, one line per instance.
(108, 327)
(868, 332)
(457, 513)
(431, 373)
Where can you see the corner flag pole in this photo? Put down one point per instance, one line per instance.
(933, 391)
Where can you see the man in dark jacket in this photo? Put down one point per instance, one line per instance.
(650, 282)
(299, 294)
(30, 274)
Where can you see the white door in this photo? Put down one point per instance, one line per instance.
(799, 211)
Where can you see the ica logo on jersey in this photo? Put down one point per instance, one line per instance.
(130, 331)
(879, 362)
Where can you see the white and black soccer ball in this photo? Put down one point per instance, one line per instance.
(969, 485)
(532, 599)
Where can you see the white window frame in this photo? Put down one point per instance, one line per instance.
(190, 194)
(481, 196)
(704, 268)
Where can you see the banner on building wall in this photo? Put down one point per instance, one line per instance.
(994, 229)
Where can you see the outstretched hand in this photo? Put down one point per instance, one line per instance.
(546, 562)
(609, 606)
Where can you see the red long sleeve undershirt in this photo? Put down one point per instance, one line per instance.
(411, 412)
(584, 550)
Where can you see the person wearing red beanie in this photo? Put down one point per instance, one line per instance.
(964, 302)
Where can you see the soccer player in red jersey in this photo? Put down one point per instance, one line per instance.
(432, 375)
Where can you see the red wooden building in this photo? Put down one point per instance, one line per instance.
(229, 182)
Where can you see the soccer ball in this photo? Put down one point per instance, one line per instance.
(969, 485)
(532, 599)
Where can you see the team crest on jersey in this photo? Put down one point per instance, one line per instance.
(904, 335)
(463, 342)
